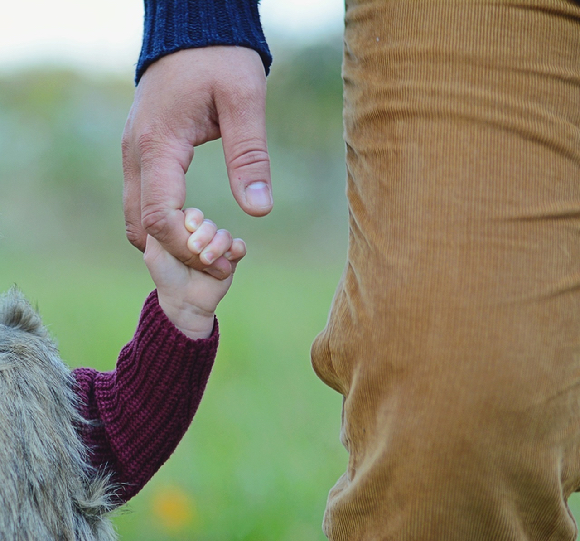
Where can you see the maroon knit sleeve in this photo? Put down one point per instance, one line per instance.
(138, 413)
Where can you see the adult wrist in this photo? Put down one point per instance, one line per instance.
(173, 25)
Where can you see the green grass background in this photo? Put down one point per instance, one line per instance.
(264, 448)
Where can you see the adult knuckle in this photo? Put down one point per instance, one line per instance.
(241, 89)
(249, 91)
(249, 154)
(126, 146)
(152, 142)
(148, 142)
(129, 161)
(134, 235)
(155, 221)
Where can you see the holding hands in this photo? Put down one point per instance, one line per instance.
(188, 296)
(182, 101)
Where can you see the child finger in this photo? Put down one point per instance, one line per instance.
(237, 251)
(202, 236)
(193, 219)
(218, 246)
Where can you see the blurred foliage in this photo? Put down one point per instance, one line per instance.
(304, 96)
(60, 156)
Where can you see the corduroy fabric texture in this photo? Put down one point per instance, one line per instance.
(140, 412)
(454, 334)
(172, 25)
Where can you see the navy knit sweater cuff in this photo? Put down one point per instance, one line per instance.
(172, 25)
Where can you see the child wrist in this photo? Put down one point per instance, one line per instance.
(191, 320)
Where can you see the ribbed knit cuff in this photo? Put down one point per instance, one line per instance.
(140, 411)
(172, 25)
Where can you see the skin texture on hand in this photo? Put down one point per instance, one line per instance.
(183, 100)
(187, 296)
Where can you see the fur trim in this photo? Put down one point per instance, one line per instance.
(48, 490)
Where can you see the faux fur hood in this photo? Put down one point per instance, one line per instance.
(48, 490)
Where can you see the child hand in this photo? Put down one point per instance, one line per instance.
(187, 296)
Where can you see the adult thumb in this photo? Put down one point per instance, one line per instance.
(242, 119)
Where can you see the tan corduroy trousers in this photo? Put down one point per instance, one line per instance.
(454, 335)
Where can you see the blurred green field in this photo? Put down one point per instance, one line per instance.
(264, 449)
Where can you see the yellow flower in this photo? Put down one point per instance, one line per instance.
(175, 508)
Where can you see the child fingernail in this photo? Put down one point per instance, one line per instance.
(194, 246)
(209, 257)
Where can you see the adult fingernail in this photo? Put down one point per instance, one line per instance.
(258, 195)
(216, 273)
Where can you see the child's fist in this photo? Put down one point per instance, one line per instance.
(209, 242)
(187, 296)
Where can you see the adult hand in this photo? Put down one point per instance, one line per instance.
(184, 100)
